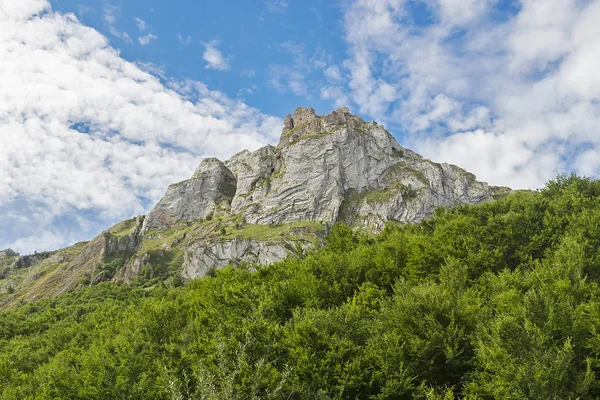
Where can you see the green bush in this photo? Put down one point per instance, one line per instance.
(500, 300)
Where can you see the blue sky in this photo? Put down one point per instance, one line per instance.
(263, 44)
(104, 103)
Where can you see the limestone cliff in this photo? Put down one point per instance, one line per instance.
(258, 207)
(211, 184)
(326, 168)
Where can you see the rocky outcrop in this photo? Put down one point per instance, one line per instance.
(8, 253)
(200, 258)
(28, 260)
(252, 170)
(338, 167)
(328, 168)
(288, 123)
(261, 206)
(115, 245)
(195, 198)
(306, 122)
(411, 191)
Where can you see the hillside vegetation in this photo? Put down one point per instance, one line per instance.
(500, 300)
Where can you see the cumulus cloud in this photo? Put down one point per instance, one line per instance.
(89, 138)
(213, 56)
(336, 95)
(514, 99)
(333, 74)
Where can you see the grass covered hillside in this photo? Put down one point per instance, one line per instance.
(497, 301)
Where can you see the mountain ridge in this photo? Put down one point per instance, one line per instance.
(258, 207)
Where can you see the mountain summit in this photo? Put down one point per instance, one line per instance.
(261, 206)
(328, 168)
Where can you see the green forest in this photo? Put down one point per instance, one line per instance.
(494, 301)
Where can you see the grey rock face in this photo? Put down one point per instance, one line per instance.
(413, 189)
(8, 253)
(250, 168)
(340, 168)
(328, 168)
(303, 115)
(28, 260)
(288, 123)
(124, 245)
(211, 184)
(132, 269)
(203, 257)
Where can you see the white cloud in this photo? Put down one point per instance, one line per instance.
(458, 12)
(146, 39)
(247, 91)
(111, 14)
(333, 74)
(214, 57)
(336, 95)
(515, 101)
(89, 138)
(42, 240)
(287, 78)
(141, 24)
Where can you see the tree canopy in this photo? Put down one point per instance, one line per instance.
(499, 300)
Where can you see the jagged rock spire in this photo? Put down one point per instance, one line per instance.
(306, 121)
(288, 123)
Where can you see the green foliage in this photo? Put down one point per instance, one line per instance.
(500, 300)
(302, 230)
(123, 228)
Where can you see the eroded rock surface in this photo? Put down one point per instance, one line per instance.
(200, 258)
(328, 168)
(211, 184)
(261, 206)
(338, 167)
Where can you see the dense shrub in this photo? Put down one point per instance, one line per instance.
(499, 300)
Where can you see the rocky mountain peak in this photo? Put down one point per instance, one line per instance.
(208, 166)
(326, 168)
(260, 206)
(303, 115)
(305, 121)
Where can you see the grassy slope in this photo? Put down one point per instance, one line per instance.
(76, 266)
